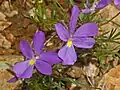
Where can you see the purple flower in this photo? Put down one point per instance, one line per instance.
(99, 5)
(41, 60)
(103, 3)
(117, 3)
(82, 38)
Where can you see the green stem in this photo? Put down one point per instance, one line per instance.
(60, 6)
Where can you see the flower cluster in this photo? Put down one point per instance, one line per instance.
(43, 61)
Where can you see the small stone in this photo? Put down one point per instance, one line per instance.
(26, 22)
(6, 6)
(9, 36)
(90, 70)
(2, 17)
(7, 51)
(75, 72)
(4, 43)
(4, 25)
(71, 86)
(11, 13)
(111, 80)
(11, 59)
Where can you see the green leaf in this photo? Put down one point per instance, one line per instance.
(3, 65)
(116, 36)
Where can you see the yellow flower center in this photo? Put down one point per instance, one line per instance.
(69, 43)
(32, 62)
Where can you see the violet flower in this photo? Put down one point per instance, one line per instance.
(41, 60)
(117, 3)
(99, 5)
(81, 38)
(103, 3)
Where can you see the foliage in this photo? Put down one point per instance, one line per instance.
(46, 14)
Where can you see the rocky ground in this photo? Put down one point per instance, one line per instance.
(14, 26)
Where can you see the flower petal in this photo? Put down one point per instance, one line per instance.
(88, 29)
(28, 72)
(38, 41)
(73, 19)
(103, 3)
(84, 42)
(68, 55)
(50, 57)
(14, 79)
(62, 32)
(43, 67)
(86, 11)
(23, 70)
(117, 3)
(25, 49)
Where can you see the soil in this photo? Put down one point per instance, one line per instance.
(15, 26)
